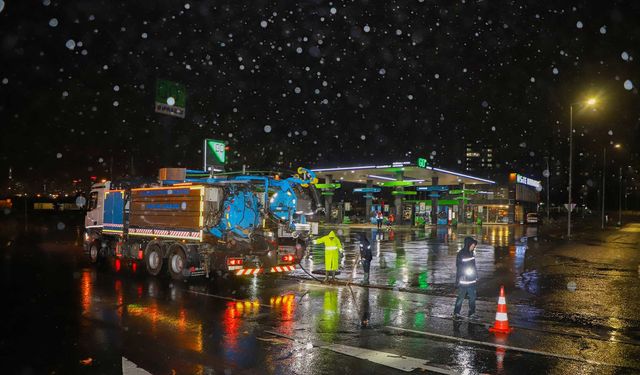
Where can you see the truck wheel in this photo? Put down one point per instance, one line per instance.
(153, 260)
(177, 261)
(94, 253)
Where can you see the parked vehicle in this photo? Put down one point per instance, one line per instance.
(245, 224)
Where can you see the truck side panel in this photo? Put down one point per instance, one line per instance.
(171, 212)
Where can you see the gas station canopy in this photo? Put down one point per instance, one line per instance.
(418, 174)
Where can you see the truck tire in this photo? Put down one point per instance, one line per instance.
(177, 261)
(153, 259)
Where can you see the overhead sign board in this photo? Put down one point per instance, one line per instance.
(171, 98)
(215, 155)
(422, 163)
(520, 179)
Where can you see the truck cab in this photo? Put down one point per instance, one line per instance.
(95, 205)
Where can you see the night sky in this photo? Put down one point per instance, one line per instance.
(316, 83)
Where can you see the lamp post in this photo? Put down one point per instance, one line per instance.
(604, 173)
(589, 102)
(620, 200)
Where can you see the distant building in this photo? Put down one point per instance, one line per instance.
(479, 158)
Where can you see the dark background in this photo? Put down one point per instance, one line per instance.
(427, 78)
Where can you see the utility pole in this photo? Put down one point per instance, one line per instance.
(620, 201)
(604, 172)
(548, 174)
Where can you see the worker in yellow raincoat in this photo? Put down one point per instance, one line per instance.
(332, 250)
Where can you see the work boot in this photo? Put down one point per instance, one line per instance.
(366, 278)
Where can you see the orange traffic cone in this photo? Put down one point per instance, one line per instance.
(501, 324)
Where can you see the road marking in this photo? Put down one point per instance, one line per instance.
(514, 348)
(395, 361)
(130, 368)
(398, 362)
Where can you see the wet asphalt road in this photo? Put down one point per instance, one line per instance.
(574, 307)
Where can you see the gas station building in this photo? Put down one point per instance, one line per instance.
(420, 194)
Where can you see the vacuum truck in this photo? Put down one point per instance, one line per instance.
(192, 224)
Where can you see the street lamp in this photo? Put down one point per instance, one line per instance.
(588, 103)
(604, 172)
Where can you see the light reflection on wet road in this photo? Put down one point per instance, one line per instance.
(206, 327)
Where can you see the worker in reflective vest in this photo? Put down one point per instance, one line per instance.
(466, 277)
(332, 250)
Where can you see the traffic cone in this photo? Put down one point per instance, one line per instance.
(501, 324)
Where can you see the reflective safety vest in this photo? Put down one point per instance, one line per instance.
(466, 272)
(332, 249)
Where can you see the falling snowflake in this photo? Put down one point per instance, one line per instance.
(53, 22)
(115, 103)
(71, 44)
(187, 6)
(267, 129)
(628, 85)
(579, 24)
(116, 88)
(171, 100)
(59, 155)
(625, 56)
(366, 28)
(363, 137)
(297, 90)
(382, 71)
(333, 11)
(603, 30)
(144, 35)
(263, 24)
(555, 71)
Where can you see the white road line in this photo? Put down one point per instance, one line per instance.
(395, 361)
(130, 368)
(514, 348)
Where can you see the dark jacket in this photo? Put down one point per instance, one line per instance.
(365, 248)
(466, 272)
